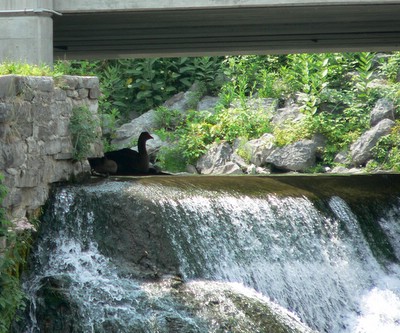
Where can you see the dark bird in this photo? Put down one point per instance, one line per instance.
(103, 166)
(131, 162)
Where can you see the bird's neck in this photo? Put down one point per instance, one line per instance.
(142, 147)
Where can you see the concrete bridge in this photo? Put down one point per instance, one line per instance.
(37, 31)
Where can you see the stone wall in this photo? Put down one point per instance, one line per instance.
(35, 142)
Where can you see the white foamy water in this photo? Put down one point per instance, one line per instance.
(316, 264)
(309, 261)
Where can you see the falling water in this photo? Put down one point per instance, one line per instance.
(308, 256)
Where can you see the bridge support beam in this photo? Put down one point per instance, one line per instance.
(26, 31)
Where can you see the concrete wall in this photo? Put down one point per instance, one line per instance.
(35, 142)
(26, 31)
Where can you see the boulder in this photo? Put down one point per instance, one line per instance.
(130, 131)
(298, 156)
(207, 103)
(183, 101)
(259, 149)
(384, 109)
(342, 157)
(361, 149)
(217, 160)
(289, 113)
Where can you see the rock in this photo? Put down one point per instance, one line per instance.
(290, 113)
(361, 149)
(207, 103)
(229, 168)
(298, 156)
(130, 132)
(342, 157)
(237, 159)
(384, 109)
(214, 160)
(256, 103)
(191, 169)
(339, 169)
(8, 86)
(221, 159)
(182, 101)
(259, 149)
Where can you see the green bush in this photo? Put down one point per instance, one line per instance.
(387, 151)
(12, 259)
(84, 131)
(19, 68)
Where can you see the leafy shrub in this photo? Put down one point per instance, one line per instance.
(19, 68)
(12, 258)
(84, 131)
(387, 151)
(198, 130)
(172, 158)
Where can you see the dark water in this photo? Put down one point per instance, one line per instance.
(325, 249)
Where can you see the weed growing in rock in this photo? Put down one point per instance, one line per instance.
(84, 130)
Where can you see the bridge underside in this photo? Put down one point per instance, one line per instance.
(254, 30)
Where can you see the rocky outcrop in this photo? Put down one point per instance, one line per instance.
(259, 149)
(298, 156)
(361, 149)
(218, 160)
(127, 133)
(384, 109)
(36, 148)
(289, 113)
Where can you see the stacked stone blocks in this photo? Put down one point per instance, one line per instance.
(35, 142)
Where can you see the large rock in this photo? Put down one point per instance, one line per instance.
(130, 132)
(289, 113)
(384, 109)
(184, 101)
(361, 149)
(218, 160)
(207, 103)
(259, 149)
(298, 156)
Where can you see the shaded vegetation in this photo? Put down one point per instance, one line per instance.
(13, 252)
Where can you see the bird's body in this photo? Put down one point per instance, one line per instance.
(130, 161)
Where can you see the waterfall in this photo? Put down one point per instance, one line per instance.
(322, 262)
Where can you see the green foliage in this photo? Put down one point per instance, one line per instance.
(141, 84)
(83, 126)
(336, 92)
(19, 68)
(198, 130)
(391, 68)
(387, 151)
(171, 158)
(74, 67)
(248, 75)
(12, 259)
(167, 118)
